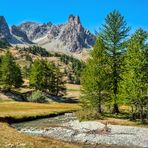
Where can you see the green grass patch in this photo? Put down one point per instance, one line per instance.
(73, 90)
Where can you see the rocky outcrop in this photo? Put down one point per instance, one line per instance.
(34, 30)
(4, 29)
(20, 34)
(74, 36)
(13, 35)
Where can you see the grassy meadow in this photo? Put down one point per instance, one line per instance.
(19, 111)
(23, 111)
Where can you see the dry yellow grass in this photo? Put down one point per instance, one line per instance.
(73, 91)
(23, 89)
(73, 86)
(20, 110)
(73, 94)
(4, 98)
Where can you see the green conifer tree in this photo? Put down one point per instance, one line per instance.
(114, 33)
(133, 85)
(10, 72)
(95, 78)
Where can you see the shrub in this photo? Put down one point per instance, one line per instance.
(36, 50)
(88, 114)
(4, 44)
(37, 96)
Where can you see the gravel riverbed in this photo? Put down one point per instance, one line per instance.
(74, 131)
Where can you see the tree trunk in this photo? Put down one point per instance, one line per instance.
(115, 82)
(115, 109)
(115, 106)
(141, 114)
(133, 117)
(99, 110)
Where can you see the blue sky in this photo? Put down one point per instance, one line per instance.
(91, 12)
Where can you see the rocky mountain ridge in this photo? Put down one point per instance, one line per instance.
(4, 29)
(71, 36)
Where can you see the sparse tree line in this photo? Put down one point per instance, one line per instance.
(117, 70)
(43, 75)
(76, 66)
(36, 50)
(47, 77)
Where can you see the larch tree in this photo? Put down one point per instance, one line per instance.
(95, 78)
(40, 75)
(133, 85)
(10, 73)
(46, 77)
(58, 83)
(114, 33)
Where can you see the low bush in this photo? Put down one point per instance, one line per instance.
(37, 96)
(89, 114)
(36, 50)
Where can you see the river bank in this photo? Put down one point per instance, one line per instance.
(69, 129)
(11, 111)
(62, 130)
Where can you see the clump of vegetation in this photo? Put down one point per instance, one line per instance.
(88, 114)
(10, 72)
(36, 50)
(46, 77)
(4, 44)
(37, 96)
(133, 87)
(76, 68)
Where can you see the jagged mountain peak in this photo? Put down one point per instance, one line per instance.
(71, 36)
(12, 35)
(4, 29)
(74, 19)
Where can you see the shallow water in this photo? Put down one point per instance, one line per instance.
(45, 123)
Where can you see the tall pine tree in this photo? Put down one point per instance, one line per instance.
(40, 75)
(47, 77)
(95, 78)
(133, 85)
(58, 83)
(113, 34)
(10, 73)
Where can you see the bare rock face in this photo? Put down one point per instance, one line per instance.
(19, 33)
(72, 35)
(4, 29)
(35, 30)
(13, 35)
